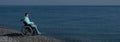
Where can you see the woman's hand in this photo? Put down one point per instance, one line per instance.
(32, 22)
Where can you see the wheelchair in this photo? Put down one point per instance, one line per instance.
(27, 30)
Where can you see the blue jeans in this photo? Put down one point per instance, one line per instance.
(36, 29)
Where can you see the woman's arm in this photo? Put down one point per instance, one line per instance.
(27, 20)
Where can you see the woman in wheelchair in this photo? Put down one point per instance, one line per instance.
(30, 25)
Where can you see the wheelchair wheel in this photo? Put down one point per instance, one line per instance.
(28, 31)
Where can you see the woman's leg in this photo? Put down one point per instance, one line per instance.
(36, 29)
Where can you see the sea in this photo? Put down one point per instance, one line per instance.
(67, 23)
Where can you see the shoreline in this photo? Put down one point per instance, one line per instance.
(9, 35)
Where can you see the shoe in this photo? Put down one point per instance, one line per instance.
(39, 33)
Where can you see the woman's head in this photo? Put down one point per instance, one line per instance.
(26, 14)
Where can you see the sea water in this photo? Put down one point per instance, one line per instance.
(68, 23)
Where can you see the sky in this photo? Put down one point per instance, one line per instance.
(59, 2)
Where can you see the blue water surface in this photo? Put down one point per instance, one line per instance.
(68, 23)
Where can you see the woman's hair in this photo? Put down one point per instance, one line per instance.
(26, 13)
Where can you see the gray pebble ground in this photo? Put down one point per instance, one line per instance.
(9, 35)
